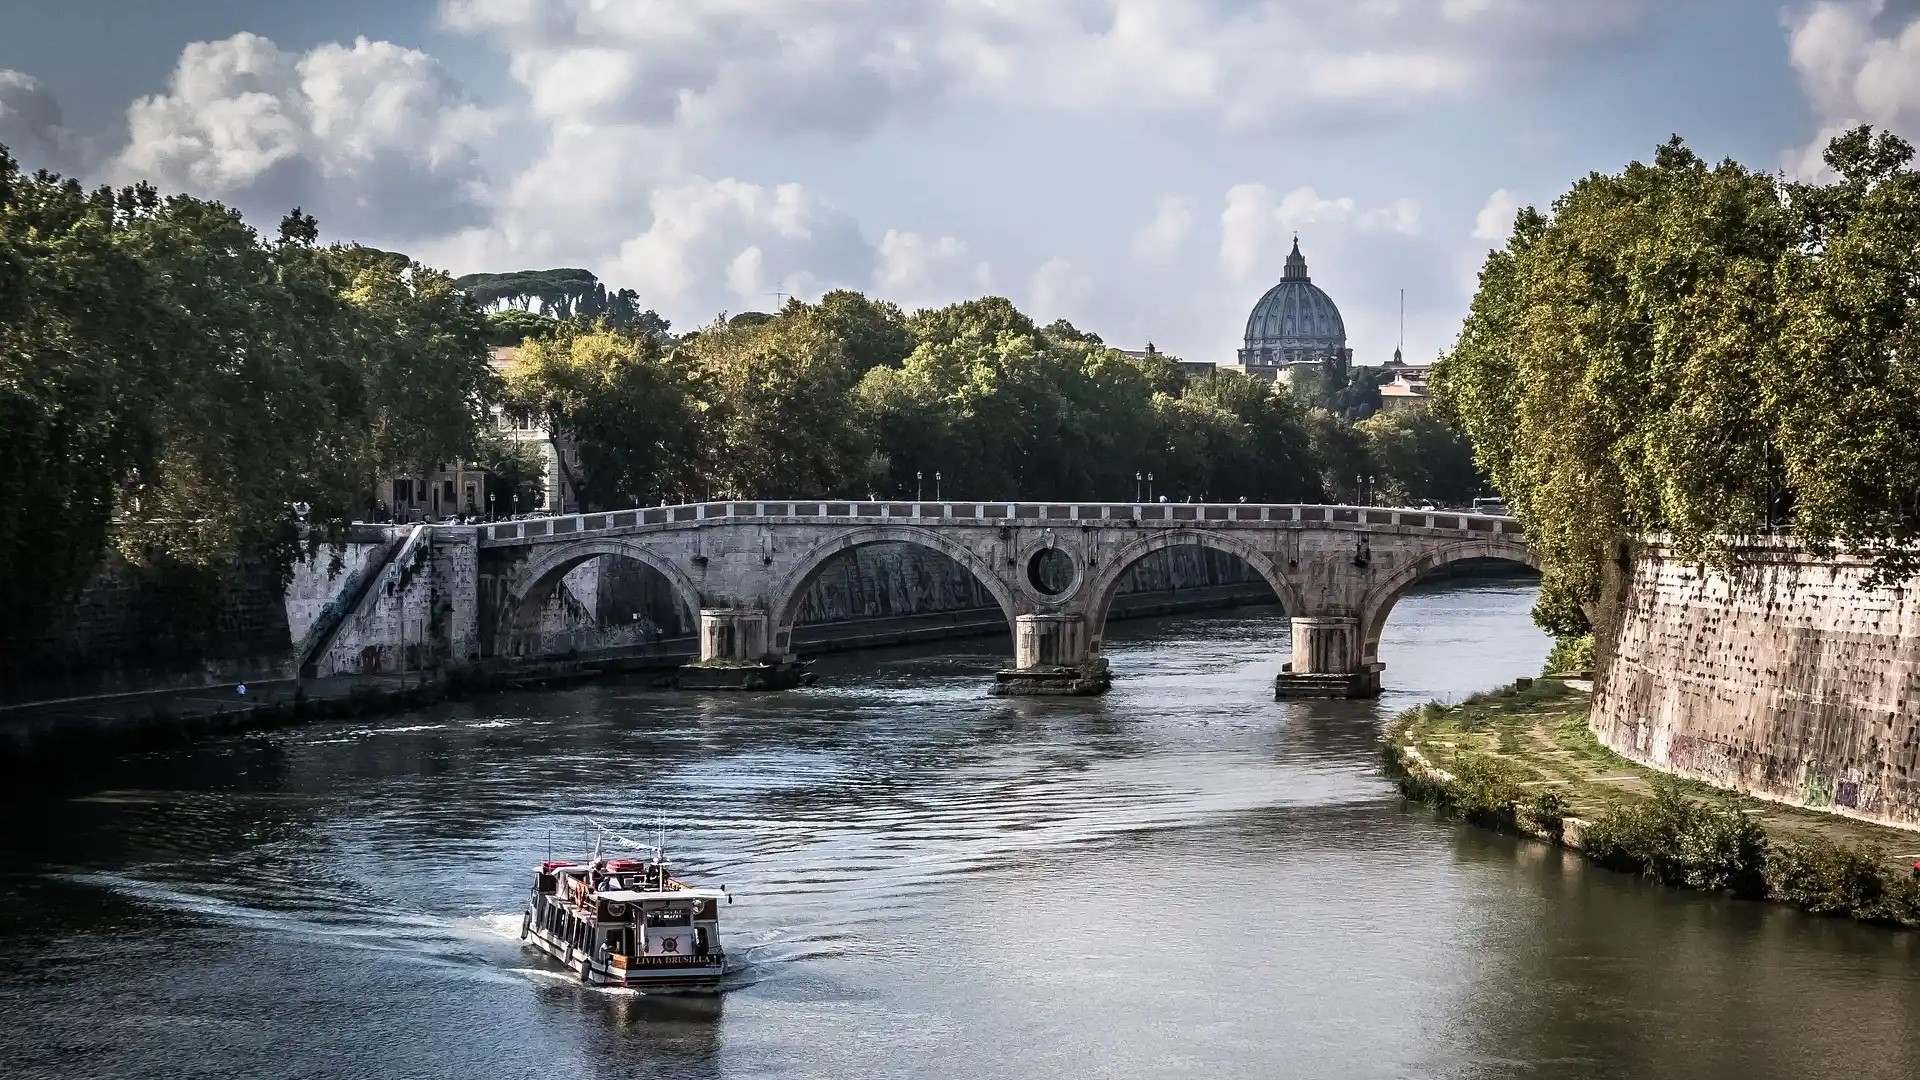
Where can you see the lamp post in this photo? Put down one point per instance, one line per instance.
(936, 487)
(1136, 486)
(491, 495)
(916, 485)
(1370, 491)
(300, 511)
(1149, 487)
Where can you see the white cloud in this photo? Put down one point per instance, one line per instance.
(715, 244)
(914, 271)
(606, 198)
(1161, 238)
(848, 65)
(373, 138)
(1059, 291)
(1495, 220)
(1853, 73)
(30, 124)
(1254, 223)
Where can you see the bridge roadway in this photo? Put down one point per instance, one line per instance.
(743, 567)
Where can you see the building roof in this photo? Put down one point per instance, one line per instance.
(1296, 314)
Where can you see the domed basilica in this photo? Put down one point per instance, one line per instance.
(1295, 327)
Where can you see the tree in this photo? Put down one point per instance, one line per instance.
(422, 346)
(1842, 392)
(513, 326)
(516, 473)
(1238, 436)
(79, 382)
(1350, 392)
(1341, 453)
(620, 413)
(778, 420)
(1419, 458)
(873, 332)
(558, 292)
(1617, 372)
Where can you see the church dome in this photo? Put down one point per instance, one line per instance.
(1295, 322)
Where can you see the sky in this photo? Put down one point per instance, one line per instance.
(1139, 167)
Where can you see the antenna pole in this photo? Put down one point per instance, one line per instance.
(1403, 318)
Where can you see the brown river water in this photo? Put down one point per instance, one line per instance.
(1181, 879)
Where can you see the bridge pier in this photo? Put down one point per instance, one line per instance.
(1327, 661)
(1051, 659)
(734, 655)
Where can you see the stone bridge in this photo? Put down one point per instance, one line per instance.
(743, 567)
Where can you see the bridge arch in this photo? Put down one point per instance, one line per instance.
(793, 587)
(530, 586)
(1106, 582)
(1384, 594)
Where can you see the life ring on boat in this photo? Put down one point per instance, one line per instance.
(526, 924)
(616, 910)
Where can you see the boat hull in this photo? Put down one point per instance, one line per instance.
(689, 976)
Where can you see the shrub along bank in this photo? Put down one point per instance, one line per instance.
(1522, 760)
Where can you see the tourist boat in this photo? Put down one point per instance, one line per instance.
(627, 921)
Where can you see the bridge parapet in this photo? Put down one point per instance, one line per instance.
(975, 514)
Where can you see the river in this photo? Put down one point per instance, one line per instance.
(1181, 879)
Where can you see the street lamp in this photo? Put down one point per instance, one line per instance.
(1136, 485)
(1149, 487)
(491, 495)
(916, 485)
(300, 510)
(936, 487)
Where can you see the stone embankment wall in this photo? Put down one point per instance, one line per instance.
(1795, 680)
(137, 628)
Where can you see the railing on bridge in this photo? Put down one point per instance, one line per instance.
(1017, 513)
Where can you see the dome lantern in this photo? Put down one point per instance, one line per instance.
(1294, 325)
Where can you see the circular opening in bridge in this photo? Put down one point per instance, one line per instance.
(1050, 571)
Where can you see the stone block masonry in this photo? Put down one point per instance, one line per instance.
(1794, 679)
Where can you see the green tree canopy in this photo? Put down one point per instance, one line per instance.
(1418, 457)
(513, 326)
(171, 383)
(620, 412)
(1699, 351)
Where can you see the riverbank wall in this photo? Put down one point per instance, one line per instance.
(1794, 679)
